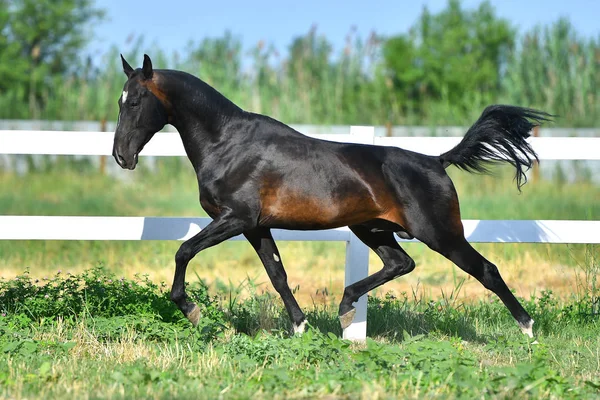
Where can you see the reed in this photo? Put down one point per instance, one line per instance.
(552, 68)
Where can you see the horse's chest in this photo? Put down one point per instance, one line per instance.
(211, 198)
(217, 194)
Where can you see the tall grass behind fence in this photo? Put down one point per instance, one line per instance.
(558, 71)
(552, 68)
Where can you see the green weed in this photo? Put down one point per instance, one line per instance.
(132, 345)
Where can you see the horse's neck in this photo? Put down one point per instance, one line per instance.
(197, 141)
(200, 115)
(202, 129)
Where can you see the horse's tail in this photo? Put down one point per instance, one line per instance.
(498, 136)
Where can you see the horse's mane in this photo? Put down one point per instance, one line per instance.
(199, 90)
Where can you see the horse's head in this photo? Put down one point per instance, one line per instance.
(143, 111)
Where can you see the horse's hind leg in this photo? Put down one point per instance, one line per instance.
(262, 241)
(469, 260)
(395, 263)
(448, 240)
(432, 215)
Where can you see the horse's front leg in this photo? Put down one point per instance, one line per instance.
(225, 226)
(263, 243)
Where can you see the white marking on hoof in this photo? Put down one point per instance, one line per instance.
(299, 329)
(527, 328)
(124, 98)
(275, 257)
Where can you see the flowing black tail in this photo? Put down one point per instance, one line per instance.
(498, 136)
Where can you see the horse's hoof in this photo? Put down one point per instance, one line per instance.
(194, 316)
(527, 328)
(346, 319)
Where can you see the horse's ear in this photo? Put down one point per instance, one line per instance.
(126, 67)
(147, 67)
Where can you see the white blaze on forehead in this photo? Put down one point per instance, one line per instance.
(123, 98)
(275, 257)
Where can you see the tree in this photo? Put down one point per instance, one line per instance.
(451, 55)
(12, 66)
(557, 70)
(41, 39)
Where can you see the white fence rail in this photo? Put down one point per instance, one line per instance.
(357, 254)
(169, 144)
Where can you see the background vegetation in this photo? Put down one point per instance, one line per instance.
(85, 319)
(443, 71)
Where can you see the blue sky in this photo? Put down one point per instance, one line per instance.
(172, 24)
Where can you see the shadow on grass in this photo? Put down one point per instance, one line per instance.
(388, 319)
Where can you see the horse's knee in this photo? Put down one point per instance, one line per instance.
(409, 266)
(400, 267)
(183, 255)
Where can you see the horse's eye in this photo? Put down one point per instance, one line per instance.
(134, 103)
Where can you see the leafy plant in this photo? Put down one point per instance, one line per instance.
(99, 296)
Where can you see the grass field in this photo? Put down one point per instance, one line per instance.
(96, 336)
(71, 329)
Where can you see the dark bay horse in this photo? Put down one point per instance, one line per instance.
(256, 173)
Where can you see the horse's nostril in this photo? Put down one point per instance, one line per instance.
(121, 159)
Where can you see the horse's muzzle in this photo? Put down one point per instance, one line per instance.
(123, 163)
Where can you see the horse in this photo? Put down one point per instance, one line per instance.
(256, 173)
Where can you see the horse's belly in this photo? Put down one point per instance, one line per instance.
(310, 212)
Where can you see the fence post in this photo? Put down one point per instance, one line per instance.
(357, 268)
(357, 256)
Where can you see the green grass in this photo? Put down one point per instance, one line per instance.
(95, 336)
(172, 190)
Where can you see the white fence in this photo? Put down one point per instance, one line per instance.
(357, 254)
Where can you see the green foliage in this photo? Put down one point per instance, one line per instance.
(100, 295)
(219, 60)
(450, 57)
(56, 356)
(445, 70)
(40, 42)
(556, 69)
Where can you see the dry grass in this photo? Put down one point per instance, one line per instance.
(315, 270)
